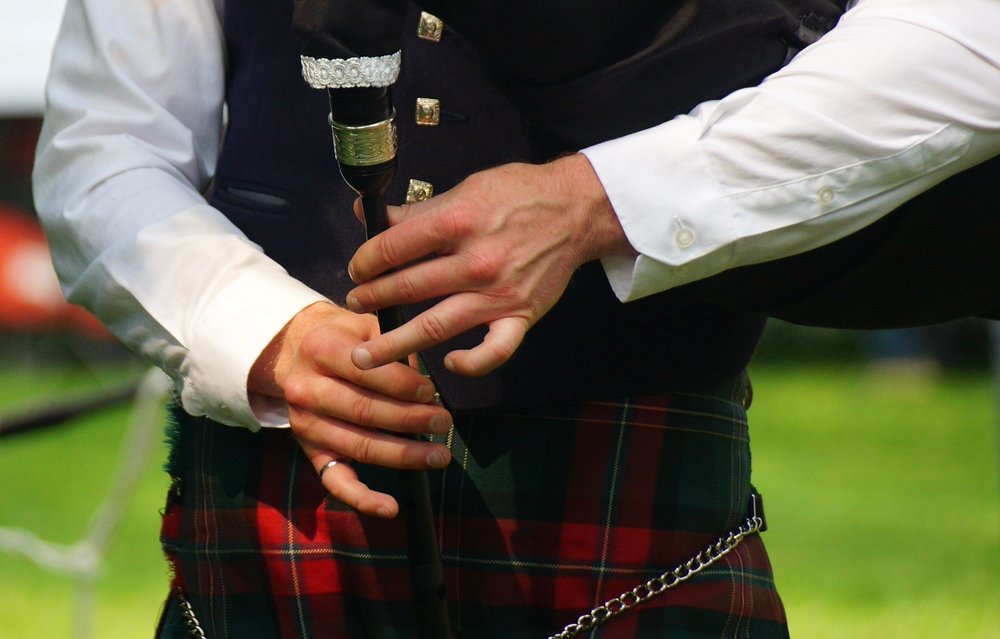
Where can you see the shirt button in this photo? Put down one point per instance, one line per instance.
(825, 195)
(684, 238)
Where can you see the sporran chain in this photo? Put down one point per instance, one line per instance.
(190, 620)
(664, 582)
(612, 607)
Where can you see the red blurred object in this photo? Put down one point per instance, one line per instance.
(30, 298)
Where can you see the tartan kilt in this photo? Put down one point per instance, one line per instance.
(544, 513)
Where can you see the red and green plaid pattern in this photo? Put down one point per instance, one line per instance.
(543, 514)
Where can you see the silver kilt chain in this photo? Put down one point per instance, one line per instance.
(190, 620)
(664, 582)
(612, 607)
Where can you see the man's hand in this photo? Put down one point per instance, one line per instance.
(506, 241)
(339, 412)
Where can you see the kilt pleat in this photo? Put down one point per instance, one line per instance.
(544, 513)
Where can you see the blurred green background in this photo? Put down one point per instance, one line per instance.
(880, 481)
(876, 452)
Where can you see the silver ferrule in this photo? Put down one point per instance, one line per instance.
(366, 145)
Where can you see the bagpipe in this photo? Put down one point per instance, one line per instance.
(352, 50)
(932, 260)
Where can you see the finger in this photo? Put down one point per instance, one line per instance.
(366, 445)
(444, 320)
(341, 481)
(498, 346)
(421, 281)
(359, 212)
(399, 213)
(343, 485)
(341, 400)
(326, 351)
(408, 240)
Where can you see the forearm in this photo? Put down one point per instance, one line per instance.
(900, 96)
(130, 140)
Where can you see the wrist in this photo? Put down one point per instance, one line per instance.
(263, 375)
(601, 234)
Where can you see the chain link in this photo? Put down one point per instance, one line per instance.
(614, 606)
(660, 584)
(190, 620)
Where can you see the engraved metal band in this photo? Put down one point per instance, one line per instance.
(664, 582)
(348, 73)
(364, 145)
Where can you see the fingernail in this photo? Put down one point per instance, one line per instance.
(449, 364)
(362, 358)
(437, 460)
(440, 424)
(354, 304)
(385, 511)
(425, 394)
(350, 272)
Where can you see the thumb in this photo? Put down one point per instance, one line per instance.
(402, 212)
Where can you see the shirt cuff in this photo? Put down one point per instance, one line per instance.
(232, 330)
(661, 203)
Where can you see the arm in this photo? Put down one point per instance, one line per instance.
(130, 141)
(897, 98)
(900, 96)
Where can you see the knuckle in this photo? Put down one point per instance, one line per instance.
(479, 181)
(362, 450)
(432, 327)
(387, 250)
(312, 345)
(406, 288)
(297, 392)
(415, 419)
(457, 222)
(501, 350)
(482, 269)
(363, 410)
(385, 347)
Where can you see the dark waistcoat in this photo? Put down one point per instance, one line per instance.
(277, 178)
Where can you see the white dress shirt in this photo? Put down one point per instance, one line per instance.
(901, 95)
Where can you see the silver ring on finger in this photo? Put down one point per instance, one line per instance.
(327, 466)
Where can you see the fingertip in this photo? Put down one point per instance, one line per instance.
(465, 363)
(387, 509)
(426, 393)
(396, 213)
(352, 301)
(439, 458)
(440, 424)
(362, 358)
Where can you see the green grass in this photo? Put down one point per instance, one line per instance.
(882, 500)
(882, 497)
(50, 483)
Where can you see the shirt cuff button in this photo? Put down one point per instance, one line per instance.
(684, 238)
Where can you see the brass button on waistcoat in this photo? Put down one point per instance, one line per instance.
(430, 27)
(428, 111)
(418, 191)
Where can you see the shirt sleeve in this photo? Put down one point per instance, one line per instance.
(901, 95)
(130, 140)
